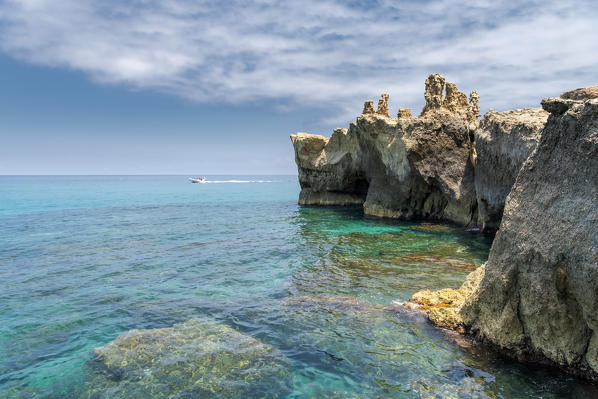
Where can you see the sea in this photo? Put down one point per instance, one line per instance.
(84, 259)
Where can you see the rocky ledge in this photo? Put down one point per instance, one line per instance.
(423, 167)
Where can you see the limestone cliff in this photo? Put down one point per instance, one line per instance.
(503, 141)
(538, 298)
(405, 167)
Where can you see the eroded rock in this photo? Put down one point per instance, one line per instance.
(368, 108)
(503, 142)
(198, 358)
(383, 105)
(538, 299)
(443, 306)
(433, 93)
(404, 113)
(399, 168)
(584, 93)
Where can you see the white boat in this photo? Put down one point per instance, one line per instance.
(197, 179)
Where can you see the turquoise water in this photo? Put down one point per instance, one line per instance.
(85, 259)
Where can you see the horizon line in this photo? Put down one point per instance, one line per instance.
(148, 174)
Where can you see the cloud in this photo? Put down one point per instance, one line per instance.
(325, 54)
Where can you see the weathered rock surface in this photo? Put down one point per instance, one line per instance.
(503, 142)
(327, 169)
(397, 167)
(443, 306)
(198, 358)
(538, 299)
(584, 93)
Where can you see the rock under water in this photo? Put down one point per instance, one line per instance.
(197, 358)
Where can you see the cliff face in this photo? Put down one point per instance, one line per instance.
(503, 142)
(538, 298)
(327, 169)
(404, 167)
(440, 165)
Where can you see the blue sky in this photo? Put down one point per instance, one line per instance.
(207, 87)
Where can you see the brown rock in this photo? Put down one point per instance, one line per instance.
(585, 93)
(368, 108)
(443, 306)
(455, 101)
(433, 94)
(383, 105)
(404, 113)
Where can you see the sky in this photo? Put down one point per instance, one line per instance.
(214, 87)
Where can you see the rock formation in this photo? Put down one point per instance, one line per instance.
(383, 105)
(533, 172)
(443, 307)
(433, 94)
(431, 166)
(584, 93)
(408, 167)
(368, 108)
(327, 170)
(404, 113)
(538, 299)
(503, 142)
(198, 358)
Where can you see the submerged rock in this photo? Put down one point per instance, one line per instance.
(397, 167)
(194, 359)
(336, 302)
(538, 299)
(503, 142)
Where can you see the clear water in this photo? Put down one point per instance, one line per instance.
(84, 259)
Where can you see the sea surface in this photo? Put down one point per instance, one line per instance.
(84, 259)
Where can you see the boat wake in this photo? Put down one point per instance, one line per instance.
(239, 181)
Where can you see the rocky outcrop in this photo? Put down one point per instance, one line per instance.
(406, 167)
(503, 141)
(584, 93)
(327, 169)
(443, 307)
(538, 299)
(431, 166)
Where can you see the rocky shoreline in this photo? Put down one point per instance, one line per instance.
(531, 174)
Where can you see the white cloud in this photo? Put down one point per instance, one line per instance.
(326, 53)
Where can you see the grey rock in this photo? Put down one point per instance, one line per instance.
(503, 142)
(538, 299)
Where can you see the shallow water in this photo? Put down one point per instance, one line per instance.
(85, 259)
